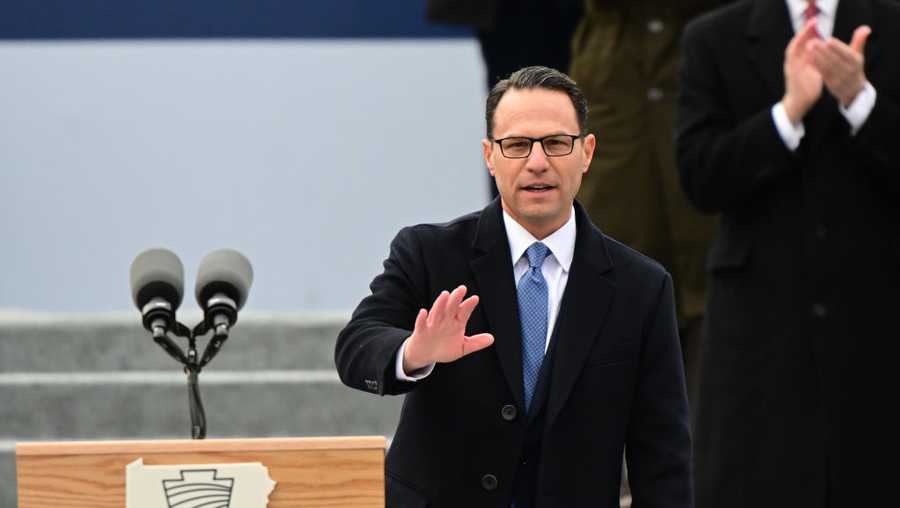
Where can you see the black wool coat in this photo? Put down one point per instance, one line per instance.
(801, 328)
(616, 381)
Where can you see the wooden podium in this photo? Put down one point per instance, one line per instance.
(310, 472)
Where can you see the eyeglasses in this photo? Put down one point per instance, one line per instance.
(557, 145)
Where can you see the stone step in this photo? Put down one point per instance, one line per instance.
(8, 477)
(138, 411)
(92, 342)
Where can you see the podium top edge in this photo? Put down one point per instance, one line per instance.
(201, 445)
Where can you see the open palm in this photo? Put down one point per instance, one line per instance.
(440, 336)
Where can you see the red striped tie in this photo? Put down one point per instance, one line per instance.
(811, 12)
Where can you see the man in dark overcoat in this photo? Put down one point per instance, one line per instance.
(787, 127)
(533, 350)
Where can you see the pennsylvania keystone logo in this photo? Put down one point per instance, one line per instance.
(197, 486)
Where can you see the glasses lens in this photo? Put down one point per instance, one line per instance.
(516, 147)
(558, 145)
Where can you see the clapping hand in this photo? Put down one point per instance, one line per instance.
(842, 65)
(802, 79)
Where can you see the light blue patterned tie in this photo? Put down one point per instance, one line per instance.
(532, 294)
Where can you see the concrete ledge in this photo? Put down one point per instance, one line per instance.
(150, 411)
(106, 342)
(8, 477)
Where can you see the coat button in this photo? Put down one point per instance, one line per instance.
(509, 412)
(655, 26)
(819, 310)
(654, 94)
(489, 482)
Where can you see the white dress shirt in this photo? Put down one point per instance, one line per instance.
(555, 271)
(856, 113)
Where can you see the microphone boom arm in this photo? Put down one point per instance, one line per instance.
(192, 365)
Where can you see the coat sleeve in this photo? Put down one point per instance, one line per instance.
(366, 349)
(875, 146)
(723, 160)
(876, 142)
(658, 446)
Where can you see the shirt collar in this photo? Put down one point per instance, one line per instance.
(561, 242)
(827, 8)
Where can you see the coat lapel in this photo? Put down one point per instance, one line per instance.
(492, 267)
(582, 311)
(768, 32)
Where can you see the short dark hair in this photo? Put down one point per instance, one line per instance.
(537, 77)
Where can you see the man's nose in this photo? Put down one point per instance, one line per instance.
(537, 161)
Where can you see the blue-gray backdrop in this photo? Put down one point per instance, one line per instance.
(302, 133)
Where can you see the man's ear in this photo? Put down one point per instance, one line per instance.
(589, 144)
(487, 147)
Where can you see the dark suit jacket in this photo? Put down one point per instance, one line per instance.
(804, 271)
(616, 377)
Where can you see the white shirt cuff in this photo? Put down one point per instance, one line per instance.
(413, 376)
(859, 109)
(790, 133)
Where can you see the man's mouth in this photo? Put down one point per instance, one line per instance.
(538, 187)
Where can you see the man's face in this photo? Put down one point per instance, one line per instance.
(537, 191)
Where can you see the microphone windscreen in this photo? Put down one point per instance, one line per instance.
(224, 271)
(157, 273)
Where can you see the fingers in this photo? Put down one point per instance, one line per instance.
(446, 305)
(476, 343)
(833, 57)
(828, 60)
(808, 32)
(421, 319)
(436, 314)
(842, 52)
(860, 35)
(454, 300)
(800, 40)
(466, 308)
(841, 67)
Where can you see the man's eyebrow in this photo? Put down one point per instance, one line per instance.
(558, 133)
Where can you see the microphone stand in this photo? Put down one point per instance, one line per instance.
(193, 364)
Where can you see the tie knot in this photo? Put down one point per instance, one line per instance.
(811, 10)
(537, 253)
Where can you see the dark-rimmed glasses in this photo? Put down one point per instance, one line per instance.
(519, 147)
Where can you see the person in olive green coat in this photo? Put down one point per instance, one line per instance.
(625, 58)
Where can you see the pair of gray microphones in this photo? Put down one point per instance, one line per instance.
(157, 288)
